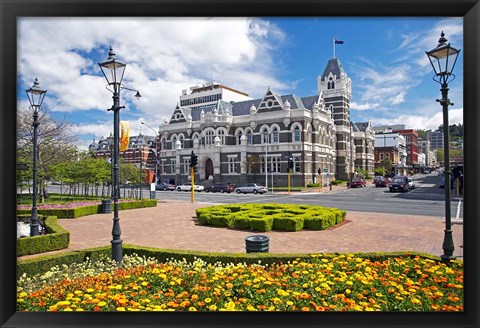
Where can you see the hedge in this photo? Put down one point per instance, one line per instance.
(42, 264)
(267, 217)
(55, 239)
(71, 213)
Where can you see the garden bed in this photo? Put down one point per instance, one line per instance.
(267, 217)
(252, 282)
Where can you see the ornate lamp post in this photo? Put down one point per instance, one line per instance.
(35, 97)
(443, 59)
(113, 70)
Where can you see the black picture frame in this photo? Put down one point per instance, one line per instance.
(10, 10)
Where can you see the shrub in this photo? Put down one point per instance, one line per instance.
(55, 239)
(283, 217)
(288, 223)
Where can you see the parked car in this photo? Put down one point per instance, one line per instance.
(399, 183)
(164, 185)
(358, 183)
(251, 188)
(411, 183)
(188, 187)
(381, 182)
(221, 187)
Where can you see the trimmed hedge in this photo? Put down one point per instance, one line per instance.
(42, 264)
(71, 213)
(267, 217)
(55, 239)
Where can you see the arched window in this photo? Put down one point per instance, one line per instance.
(265, 136)
(221, 135)
(164, 143)
(174, 142)
(238, 136)
(296, 134)
(275, 135)
(249, 137)
(182, 139)
(209, 137)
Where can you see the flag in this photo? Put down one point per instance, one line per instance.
(338, 41)
(125, 135)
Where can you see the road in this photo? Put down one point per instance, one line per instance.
(425, 200)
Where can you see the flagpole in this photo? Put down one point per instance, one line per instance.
(333, 47)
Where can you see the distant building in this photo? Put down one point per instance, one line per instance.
(436, 139)
(141, 149)
(391, 145)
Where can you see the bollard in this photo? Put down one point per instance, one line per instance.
(257, 244)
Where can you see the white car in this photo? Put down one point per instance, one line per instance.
(251, 188)
(188, 187)
(411, 183)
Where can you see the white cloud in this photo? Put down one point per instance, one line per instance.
(364, 106)
(163, 56)
(424, 122)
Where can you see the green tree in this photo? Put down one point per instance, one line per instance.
(55, 143)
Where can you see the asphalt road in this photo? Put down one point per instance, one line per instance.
(425, 200)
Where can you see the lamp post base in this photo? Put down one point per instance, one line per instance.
(448, 247)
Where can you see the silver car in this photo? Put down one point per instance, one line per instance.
(251, 188)
(188, 187)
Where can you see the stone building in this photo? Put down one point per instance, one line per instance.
(239, 139)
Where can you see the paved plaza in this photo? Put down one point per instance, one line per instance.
(173, 225)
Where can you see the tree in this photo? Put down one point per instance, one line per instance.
(55, 143)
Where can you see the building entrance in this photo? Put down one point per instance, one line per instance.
(208, 168)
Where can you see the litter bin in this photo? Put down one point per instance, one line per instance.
(106, 206)
(152, 195)
(256, 244)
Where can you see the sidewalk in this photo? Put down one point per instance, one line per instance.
(172, 225)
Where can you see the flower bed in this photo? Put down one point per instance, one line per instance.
(317, 283)
(77, 209)
(266, 217)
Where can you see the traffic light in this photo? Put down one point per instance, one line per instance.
(290, 164)
(193, 160)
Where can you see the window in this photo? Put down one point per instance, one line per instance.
(164, 167)
(174, 142)
(297, 167)
(265, 137)
(381, 156)
(164, 144)
(239, 137)
(232, 165)
(275, 135)
(186, 165)
(296, 135)
(209, 137)
(275, 164)
(181, 138)
(221, 135)
(249, 138)
(173, 163)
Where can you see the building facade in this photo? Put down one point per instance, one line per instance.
(436, 139)
(250, 140)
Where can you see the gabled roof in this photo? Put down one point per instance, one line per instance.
(360, 127)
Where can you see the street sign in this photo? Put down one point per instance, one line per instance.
(325, 170)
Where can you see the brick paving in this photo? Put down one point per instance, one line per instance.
(172, 225)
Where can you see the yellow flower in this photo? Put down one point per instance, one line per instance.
(347, 291)
(212, 307)
(208, 300)
(415, 300)
(192, 309)
(102, 303)
(67, 309)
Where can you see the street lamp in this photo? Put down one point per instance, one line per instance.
(113, 71)
(35, 97)
(156, 150)
(443, 59)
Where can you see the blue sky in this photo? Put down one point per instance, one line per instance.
(385, 58)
